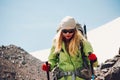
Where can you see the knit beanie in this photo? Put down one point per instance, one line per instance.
(67, 23)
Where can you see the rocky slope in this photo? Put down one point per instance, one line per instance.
(110, 70)
(17, 64)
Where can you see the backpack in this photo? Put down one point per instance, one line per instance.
(87, 68)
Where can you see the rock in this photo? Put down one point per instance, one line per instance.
(110, 70)
(17, 64)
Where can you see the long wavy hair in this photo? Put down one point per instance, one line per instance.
(73, 45)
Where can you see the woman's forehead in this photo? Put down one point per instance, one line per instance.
(68, 28)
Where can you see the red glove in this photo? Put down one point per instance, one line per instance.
(92, 57)
(45, 67)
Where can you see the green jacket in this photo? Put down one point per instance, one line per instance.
(66, 62)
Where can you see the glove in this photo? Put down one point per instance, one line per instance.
(45, 67)
(92, 57)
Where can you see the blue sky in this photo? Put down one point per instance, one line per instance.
(32, 24)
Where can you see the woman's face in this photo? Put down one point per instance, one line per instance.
(68, 33)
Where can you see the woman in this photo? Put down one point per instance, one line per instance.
(65, 52)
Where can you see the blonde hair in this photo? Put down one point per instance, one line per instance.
(73, 45)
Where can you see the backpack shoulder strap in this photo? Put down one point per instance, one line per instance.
(84, 57)
(81, 49)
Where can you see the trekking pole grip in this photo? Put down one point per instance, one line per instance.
(92, 69)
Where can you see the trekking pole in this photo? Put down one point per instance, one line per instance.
(91, 63)
(92, 69)
(85, 31)
(48, 77)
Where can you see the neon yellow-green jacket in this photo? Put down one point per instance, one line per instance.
(67, 62)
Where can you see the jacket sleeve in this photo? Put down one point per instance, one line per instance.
(88, 48)
(52, 59)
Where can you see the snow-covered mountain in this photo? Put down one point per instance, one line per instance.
(41, 54)
(104, 39)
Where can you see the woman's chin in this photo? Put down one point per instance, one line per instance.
(68, 38)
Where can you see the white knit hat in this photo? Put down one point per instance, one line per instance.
(67, 23)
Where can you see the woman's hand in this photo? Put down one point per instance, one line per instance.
(92, 57)
(45, 67)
